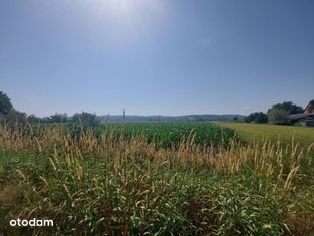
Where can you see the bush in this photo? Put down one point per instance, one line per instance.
(85, 119)
(278, 117)
(257, 118)
(13, 117)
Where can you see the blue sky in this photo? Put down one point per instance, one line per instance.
(156, 57)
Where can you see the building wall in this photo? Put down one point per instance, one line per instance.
(309, 123)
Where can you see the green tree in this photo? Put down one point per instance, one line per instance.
(33, 119)
(278, 117)
(85, 118)
(5, 104)
(14, 117)
(257, 118)
(287, 106)
(278, 113)
(58, 118)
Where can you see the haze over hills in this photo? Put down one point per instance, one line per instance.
(135, 118)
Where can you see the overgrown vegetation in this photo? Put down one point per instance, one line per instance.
(98, 182)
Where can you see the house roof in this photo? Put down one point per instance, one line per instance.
(310, 108)
(308, 112)
(300, 116)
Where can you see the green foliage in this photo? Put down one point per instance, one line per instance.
(165, 201)
(5, 104)
(85, 119)
(257, 118)
(288, 107)
(278, 117)
(58, 118)
(168, 134)
(14, 117)
(8, 114)
(279, 112)
(33, 119)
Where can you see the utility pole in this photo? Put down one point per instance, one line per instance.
(123, 115)
(108, 118)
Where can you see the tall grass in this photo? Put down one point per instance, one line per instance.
(118, 185)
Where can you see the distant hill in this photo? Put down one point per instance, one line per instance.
(119, 118)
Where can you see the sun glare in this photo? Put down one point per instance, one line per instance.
(121, 20)
(125, 8)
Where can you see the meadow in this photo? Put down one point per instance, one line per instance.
(259, 132)
(154, 179)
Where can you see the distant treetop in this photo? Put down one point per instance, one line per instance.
(287, 106)
(5, 103)
(257, 118)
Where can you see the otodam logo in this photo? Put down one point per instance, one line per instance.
(33, 223)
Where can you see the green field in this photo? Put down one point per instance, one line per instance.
(189, 178)
(168, 134)
(257, 132)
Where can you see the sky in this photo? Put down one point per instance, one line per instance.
(156, 57)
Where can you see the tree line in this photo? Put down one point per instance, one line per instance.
(277, 114)
(11, 116)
